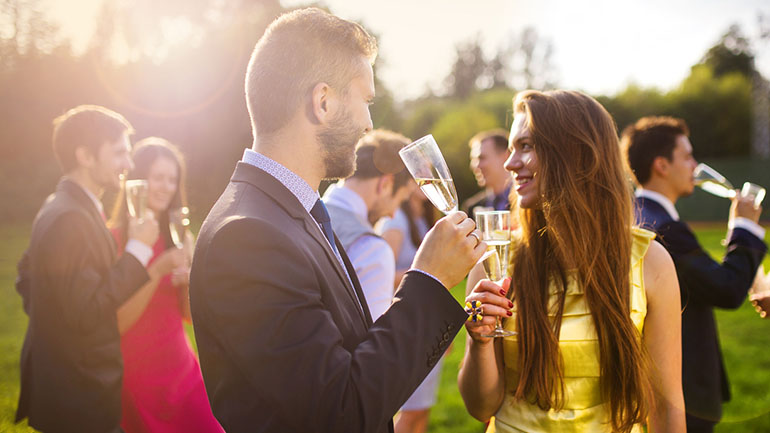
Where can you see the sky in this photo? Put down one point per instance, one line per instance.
(600, 46)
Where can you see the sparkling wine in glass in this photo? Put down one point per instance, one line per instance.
(495, 227)
(427, 166)
(178, 223)
(712, 181)
(136, 197)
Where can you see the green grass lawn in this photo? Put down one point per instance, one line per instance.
(745, 342)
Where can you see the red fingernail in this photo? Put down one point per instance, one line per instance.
(509, 313)
(510, 304)
(502, 292)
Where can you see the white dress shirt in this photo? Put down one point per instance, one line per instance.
(371, 256)
(737, 222)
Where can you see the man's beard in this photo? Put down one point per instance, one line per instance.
(338, 143)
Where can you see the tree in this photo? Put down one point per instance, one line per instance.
(731, 54)
(467, 70)
(523, 63)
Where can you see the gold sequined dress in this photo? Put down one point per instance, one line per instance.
(584, 409)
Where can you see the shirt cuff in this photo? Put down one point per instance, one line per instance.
(748, 225)
(140, 250)
(426, 274)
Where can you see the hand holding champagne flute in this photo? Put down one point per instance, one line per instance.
(136, 197)
(495, 227)
(713, 182)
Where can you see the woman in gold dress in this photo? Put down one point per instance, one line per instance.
(595, 303)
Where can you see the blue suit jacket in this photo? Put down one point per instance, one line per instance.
(704, 284)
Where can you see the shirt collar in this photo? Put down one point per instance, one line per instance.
(92, 196)
(660, 199)
(301, 189)
(345, 198)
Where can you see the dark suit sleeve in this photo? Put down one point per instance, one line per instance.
(22, 280)
(270, 317)
(723, 285)
(86, 292)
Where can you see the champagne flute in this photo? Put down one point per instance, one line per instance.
(178, 223)
(136, 197)
(495, 227)
(427, 166)
(712, 181)
(756, 192)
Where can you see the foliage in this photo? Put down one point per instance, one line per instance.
(731, 54)
(525, 62)
(453, 122)
(193, 97)
(716, 109)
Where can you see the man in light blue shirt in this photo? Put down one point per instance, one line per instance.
(376, 189)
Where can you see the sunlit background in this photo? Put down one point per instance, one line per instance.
(175, 69)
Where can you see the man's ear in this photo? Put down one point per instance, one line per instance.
(660, 166)
(84, 157)
(385, 183)
(321, 103)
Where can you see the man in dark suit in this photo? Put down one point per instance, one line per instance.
(489, 151)
(284, 333)
(72, 282)
(659, 154)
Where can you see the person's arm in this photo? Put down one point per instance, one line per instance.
(663, 341)
(395, 238)
(131, 310)
(705, 281)
(481, 379)
(22, 280)
(88, 295)
(256, 294)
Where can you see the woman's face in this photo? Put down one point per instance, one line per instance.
(161, 184)
(523, 163)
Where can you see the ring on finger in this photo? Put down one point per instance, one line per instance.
(475, 311)
(478, 239)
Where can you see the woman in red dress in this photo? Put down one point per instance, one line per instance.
(162, 384)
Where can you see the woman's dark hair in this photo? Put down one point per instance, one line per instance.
(144, 155)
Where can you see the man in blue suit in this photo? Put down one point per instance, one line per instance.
(660, 157)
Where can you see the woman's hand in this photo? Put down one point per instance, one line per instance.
(168, 260)
(493, 304)
(181, 276)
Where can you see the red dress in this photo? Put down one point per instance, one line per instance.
(163, 388)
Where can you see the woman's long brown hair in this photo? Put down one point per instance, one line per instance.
(144, 155)
(582, 225)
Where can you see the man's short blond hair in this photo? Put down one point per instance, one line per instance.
(297, 51)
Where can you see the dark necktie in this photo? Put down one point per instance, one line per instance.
(321, 215)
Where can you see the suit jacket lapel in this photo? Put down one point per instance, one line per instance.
(284, 198)
(78, 195)
(356, 283)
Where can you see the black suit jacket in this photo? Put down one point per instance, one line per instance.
(285, 340)
(72, 284)
(704, 284)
